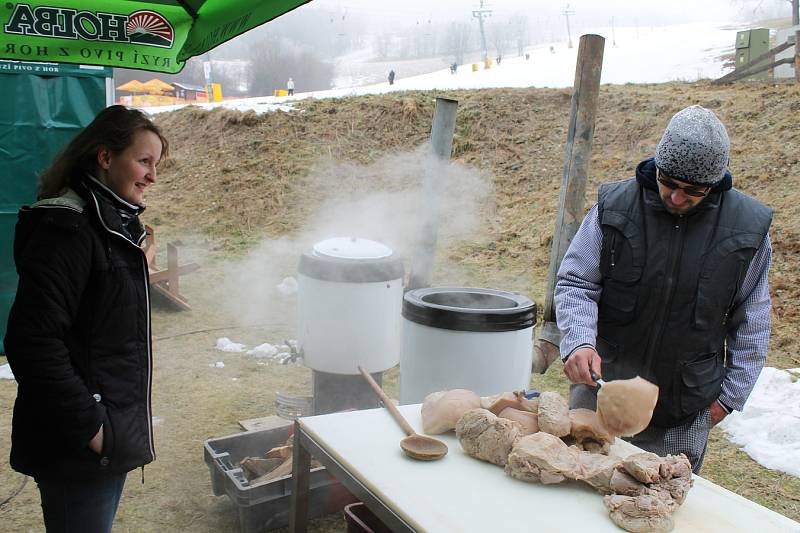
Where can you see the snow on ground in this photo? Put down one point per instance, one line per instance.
(5, 372)
(685, 52)
(224, 344)
(768, 429)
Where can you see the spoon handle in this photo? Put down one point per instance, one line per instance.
(388, 403)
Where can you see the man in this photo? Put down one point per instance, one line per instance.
(290, 87)
(667, 279)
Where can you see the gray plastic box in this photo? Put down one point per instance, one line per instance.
(265, 506)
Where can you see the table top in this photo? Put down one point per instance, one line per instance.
(460, 493)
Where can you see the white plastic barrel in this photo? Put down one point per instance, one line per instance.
(350, 294)
(465, 338)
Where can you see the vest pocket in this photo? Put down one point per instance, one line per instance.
(701, 382)
(617, 303)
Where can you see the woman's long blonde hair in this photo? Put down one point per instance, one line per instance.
(113, 129)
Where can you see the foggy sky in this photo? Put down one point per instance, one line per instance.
(587, 12)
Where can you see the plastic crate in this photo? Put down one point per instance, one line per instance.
(265, 506)
(360, 519)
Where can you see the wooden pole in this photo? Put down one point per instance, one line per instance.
(444, 125)
(573, 184)
(795, 22)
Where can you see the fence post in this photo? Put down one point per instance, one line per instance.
(573, 185)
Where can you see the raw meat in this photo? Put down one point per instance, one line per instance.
(554, 414)
(544, 458)
(515, 399)
(528, 421)
(650, 468)
(441, 410)
(487, 437)
(626, 406)
(639, 514)
(588, 431)
(598, 470)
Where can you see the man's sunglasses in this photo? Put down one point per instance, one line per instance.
(689, 191)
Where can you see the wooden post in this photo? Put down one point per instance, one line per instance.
(444, 124)
(795, 22)
(573, 184)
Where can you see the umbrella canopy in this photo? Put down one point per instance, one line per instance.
(156, 35)
(156, 86)
(133, 86)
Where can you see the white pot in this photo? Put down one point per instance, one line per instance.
(350, 294)
(465, 338)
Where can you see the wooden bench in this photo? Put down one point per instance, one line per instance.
(165, 281)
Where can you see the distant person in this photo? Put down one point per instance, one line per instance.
(78, 337)
(499, 58)
(391, 77)
(453, 67)
(290, 86)
(527, 56)
(552, 50)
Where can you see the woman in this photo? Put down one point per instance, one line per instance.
(78, 336)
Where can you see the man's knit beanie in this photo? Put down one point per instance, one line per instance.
(694, 148)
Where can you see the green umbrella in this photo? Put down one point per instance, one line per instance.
(159, 35)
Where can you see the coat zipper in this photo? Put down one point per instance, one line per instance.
(149, 341)
(673, 255)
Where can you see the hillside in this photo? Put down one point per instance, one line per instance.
(239, 177)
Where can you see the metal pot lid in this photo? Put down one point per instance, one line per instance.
(352, 248)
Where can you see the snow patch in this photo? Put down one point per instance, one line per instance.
(5, 372)
(768, 429)
(224, 344)
(287, 287)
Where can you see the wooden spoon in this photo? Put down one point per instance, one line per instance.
(414, 445)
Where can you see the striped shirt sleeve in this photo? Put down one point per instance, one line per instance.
(748, 331)
(579, 287)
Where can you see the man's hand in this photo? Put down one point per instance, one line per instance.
(578, 364)
(717, 413)
(96, 444)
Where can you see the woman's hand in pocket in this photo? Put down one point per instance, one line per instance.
(96, 444)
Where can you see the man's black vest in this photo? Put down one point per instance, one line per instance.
(669, 285)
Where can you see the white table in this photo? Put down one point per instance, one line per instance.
(461, 494)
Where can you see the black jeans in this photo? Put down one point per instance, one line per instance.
(80, 506)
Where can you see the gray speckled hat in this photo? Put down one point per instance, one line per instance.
(695, 147)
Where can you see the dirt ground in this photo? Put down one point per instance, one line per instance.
(242, 190)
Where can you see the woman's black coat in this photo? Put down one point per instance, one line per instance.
(78, 339)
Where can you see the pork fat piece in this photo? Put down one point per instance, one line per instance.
(544, 458)
(639, 514)
(529, 422)
(441, 410)
(554, 414)
(484, 436)
(588, 431)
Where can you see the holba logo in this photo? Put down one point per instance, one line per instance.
(141, 27)
(148, 27)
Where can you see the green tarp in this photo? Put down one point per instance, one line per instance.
(159, 35)
(49, 104)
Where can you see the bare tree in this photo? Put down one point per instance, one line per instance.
(499, 34)
(383, 43)
(457, 40)
(519, 31)
(273, 61)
